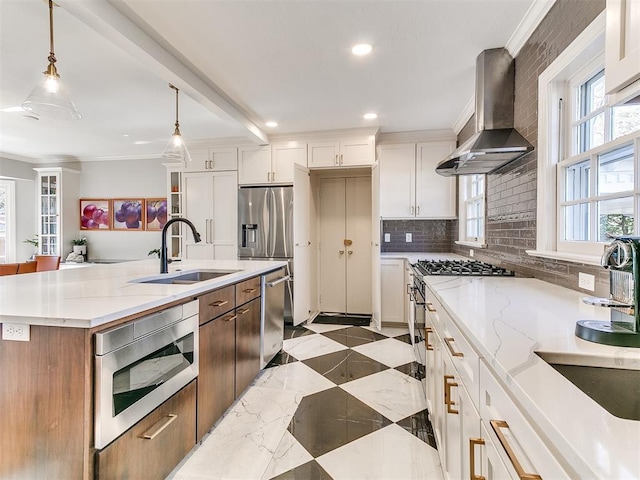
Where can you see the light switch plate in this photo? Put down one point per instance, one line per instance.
(408, 237)
(387, 237)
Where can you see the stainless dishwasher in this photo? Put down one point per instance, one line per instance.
(272, 321)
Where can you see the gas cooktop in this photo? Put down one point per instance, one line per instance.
(461, 267)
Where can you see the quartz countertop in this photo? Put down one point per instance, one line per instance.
(507, 320)
(90, 297)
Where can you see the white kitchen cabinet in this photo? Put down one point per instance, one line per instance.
(393, 291)
(216, 159)
(376, 294)
(302, 244)
(622, 45)
(211, 203)
(348, 152)
(57, 210)
(409, 184)
(270, 164)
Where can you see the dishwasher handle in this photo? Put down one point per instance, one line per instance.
(278, 281)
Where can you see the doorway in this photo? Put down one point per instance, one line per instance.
(345, 245)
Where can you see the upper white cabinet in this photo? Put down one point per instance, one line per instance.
(409, 184)
(212, 159)
(270, 164)
(622, 49)
(346, 152)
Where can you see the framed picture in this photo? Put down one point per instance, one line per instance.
(95, 214)
(155, 213)
(128, 214)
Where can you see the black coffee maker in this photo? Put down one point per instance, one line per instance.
(622, 258)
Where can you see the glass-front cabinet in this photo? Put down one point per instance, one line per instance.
(174, 195)
(57, 210)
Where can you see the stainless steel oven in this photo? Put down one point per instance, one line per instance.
(141, 364)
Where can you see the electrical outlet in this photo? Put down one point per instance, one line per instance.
(387, 237)
(408, 237)
(15, 331)
(586, 281)
(471, 252)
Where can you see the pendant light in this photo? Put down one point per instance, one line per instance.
(50, 98)
(176, 150)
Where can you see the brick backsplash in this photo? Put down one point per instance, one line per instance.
(511, 192)
(427, 235)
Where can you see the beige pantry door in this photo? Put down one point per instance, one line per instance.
(345, 270)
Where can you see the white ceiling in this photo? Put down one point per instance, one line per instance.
(239, 64)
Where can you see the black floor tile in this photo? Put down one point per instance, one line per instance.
(354, 336)
(362, 321)
(344, 366)
(281, 358)
(413, 369)
(420, 426)
(294, 332)
(329, 419)
(307, 471)
(406, 338)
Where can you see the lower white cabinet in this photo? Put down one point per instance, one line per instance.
(393, 290)
(211, 203)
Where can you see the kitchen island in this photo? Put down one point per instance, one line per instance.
(47, 384)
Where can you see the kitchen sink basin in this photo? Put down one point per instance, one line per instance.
(187, 278)
(615, 389)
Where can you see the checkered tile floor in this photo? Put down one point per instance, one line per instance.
(339, 402)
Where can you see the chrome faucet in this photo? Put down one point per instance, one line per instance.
(164, 261)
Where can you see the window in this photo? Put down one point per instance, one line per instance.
(588, 161)
(7, 221)
(471, 210)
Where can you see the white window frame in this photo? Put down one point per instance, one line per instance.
(465, 198)
(10, 234)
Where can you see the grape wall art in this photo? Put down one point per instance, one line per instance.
(123, 214)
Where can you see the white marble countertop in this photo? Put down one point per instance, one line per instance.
(89, 297)
(413, 257)
(507, 320)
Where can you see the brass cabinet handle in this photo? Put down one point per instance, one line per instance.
(472, 458)
(448, 341)
(242, 312)
(497, 426)
(159, 426)
(230, 317)
(341, 252)
(430, 307)
(447, 394)
(250, 290)
(427, 331)
(350, 252)
(219, 303)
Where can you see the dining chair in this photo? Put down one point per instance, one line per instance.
(45, 263)
(27, 267)
(8, 269)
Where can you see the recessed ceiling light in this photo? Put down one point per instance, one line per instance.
(370, 116)
(362, 49)
(125, 134)
(142, 142)
(271, 124)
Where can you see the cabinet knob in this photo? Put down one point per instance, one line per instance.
(341, 252)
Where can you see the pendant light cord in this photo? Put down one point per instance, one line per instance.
(176, 89)
(52, 55)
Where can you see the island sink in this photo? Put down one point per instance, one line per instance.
(186, 278)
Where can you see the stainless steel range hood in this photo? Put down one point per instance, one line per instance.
(495, 142)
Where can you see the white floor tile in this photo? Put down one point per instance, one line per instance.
(390, 352)
(324, 327)
(391, 453)
(294, 376)
(289, 455)
(309, 346)
(243, 443)
(392, 393)
(390, 331)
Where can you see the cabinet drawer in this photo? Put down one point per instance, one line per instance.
(216, 303)
(247, 290)
(514, 438)
(156, 444)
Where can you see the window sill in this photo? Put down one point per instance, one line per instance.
(567, 257)
(470, 244)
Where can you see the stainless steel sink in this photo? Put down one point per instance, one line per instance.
(615, 389)
(187, 278)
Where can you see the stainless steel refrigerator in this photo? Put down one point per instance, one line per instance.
(265, 219)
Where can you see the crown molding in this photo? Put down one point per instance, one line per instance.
(417, 136)
(467, 112)
(536, 13)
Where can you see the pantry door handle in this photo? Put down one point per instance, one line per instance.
(341, 252)
(448, 341)
(154, 431)
(472, 458)
(427, 331)
(447, 394)
(497, 426)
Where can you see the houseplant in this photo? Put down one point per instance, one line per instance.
(80, 246)
(35, 241)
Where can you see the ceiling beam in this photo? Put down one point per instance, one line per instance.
(127, 32)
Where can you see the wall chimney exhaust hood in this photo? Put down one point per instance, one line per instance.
(495, 142)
